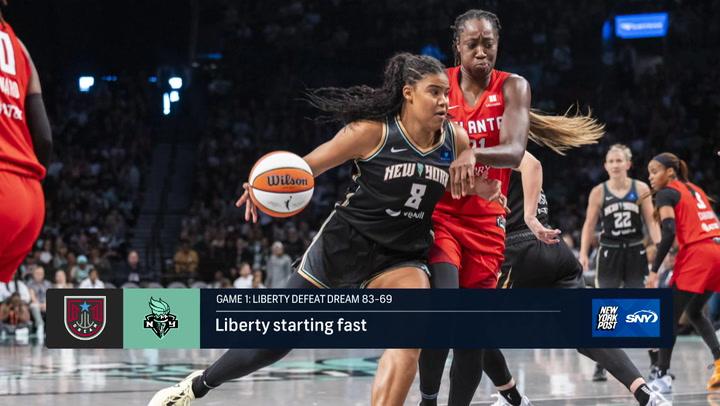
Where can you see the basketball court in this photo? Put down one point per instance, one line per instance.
(34, 375)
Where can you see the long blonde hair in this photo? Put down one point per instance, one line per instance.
(563, 132)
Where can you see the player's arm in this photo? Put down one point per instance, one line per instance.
(36, 116)
(591, 218)
(357, 140)
(666, 200)
(514, 129)
(531, 173)
(488, 189)
(647, 208)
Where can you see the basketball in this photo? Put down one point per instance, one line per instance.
(281, 184)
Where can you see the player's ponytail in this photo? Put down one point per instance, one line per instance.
(562, 132)
(374, 103)
(2, 19)
(683, 172)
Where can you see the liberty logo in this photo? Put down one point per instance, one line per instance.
(160, 320)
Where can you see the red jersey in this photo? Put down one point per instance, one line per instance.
(16, 147)
(695, 219)
(482, 123)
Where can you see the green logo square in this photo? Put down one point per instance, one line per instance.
(161, 318)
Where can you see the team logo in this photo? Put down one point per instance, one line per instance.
(445, 155)
(160, 321)
(85, 316)
(642, 316)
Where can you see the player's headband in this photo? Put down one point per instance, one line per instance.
(666, 162)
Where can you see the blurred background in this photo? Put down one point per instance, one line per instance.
(159, 109)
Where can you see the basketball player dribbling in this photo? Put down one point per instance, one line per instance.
(531, 262)
(402, 145)
(25, 149)
(621, 259)
(685, 212)
(494, 108)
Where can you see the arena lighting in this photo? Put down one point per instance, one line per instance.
(152, 79)
(175, 82)
(166, 104)
(110, 78)
(649, 25)
(85, 83)
(174, 96)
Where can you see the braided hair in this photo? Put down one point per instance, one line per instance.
(354, 103)
(472, 14)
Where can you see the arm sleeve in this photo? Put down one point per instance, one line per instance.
(39, 127)
(667, 230)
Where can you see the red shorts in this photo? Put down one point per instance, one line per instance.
(475, 245)
(697, 267)
(22, 211)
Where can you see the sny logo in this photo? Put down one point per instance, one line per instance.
(160, 320)
(642, 316)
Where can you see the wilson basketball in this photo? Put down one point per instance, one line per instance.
(281, 184)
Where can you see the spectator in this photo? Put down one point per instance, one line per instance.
(294, 246)
(14, 314)
(278, 266)
(92, 281)
(38, 298)
(245, 280)
(61, 280)
(186, 259)
(133, 271)
(81, 271)
(257, 282)
(7, 289)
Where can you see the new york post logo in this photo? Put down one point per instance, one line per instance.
(626, 318)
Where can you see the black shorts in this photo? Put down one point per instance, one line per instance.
(624, 267)
(340, 257)
(534, 264)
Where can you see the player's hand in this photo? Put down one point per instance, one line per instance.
(541, 232)
(488, 189)
(462, 174)
(584, 261)
(250, 209)
(651, 281)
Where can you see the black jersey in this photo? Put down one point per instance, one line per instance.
(395, 190)
(621, 220)
(516, 204)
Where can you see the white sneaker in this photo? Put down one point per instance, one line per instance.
(662, 384)
(656, 399)
(502, 402)
(179, 394)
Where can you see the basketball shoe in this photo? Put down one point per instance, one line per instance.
(714, 382)
(662, 384)
(502, 402)
(180, 394)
